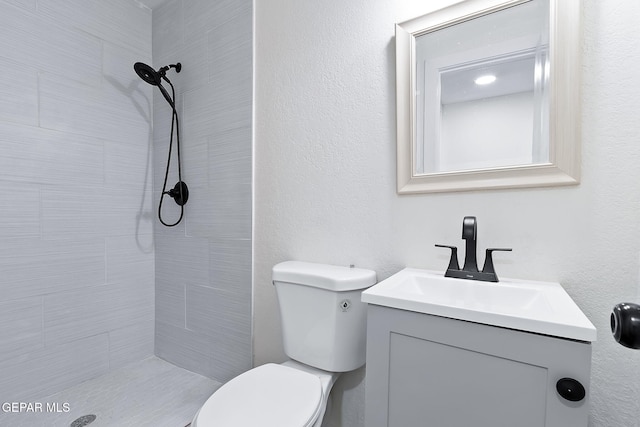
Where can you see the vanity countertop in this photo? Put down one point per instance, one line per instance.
(531, 306)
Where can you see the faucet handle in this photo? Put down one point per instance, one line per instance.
(488, 261)
(453, 261)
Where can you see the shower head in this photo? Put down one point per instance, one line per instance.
(147, 73)
(154, 77)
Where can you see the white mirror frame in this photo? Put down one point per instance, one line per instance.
(564, 109)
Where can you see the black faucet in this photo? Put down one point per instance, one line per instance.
(470, 269)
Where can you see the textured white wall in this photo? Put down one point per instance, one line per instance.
(76, 242)
(325, 179)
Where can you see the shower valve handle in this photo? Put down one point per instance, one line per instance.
(179, 193)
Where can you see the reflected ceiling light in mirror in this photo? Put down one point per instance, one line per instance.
(485, 80)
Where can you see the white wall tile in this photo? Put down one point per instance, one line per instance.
(20, 214)
(230, 157)
(231, 211)
(34, 154)
(114, 21)
(171, 212)
(196, 174)
(94, 140)
(195, 162)
(122, 82)
(176, 231)
(214, 47)
(202, 16)
(25, 4)
(82, 212)
(226, 197)
(230, 51)
(104, 112)
(215, 108)
(127, 165)
(225, 317)
(167, 31)
(21, 326)
(211, 309)
(170, 302)
(194, 60)
(198, 216)
(128, 213)
(33, 267)
(71, 315)
(18, 93)
(184, 348)
(231, 355)
(76, 250)
(69, 212)
(129, 259)
(182, 259)
(43, 372)
(130, 344)
(49, 46)
(230, 263)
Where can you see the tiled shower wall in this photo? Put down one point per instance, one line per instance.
(203, 265)
(76, 234)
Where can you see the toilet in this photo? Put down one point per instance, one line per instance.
(324, 333)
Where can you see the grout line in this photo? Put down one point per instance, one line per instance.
(39, 97)
(185, 306)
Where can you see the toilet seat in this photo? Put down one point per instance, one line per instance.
(269, 395)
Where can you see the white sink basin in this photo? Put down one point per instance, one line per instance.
(539, 307)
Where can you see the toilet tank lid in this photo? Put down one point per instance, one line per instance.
(331, 277)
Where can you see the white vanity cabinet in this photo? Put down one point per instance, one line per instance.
(433, 371)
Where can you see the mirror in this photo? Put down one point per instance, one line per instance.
(488, 96)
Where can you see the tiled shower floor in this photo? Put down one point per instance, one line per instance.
(150, 393)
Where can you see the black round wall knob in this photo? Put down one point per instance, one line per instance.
(570, 389)
(180, 193)
(625, 324)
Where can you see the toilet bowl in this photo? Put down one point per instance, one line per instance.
(286, 395)
(323, 327)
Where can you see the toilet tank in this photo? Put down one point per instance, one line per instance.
(323, 320)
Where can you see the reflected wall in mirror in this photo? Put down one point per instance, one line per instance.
(488, 96)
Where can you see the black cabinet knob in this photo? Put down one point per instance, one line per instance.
(570, 389)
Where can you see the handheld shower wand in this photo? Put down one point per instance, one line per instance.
(180, 192)
(154, 77)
